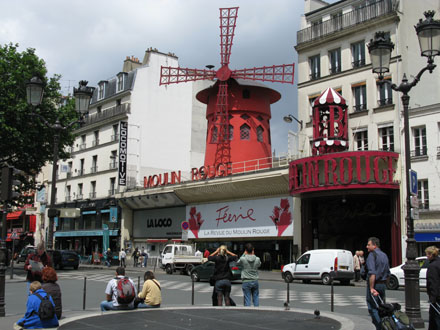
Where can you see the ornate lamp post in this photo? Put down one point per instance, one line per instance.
(428, 32)
(82, 95)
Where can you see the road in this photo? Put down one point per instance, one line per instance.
(177, 291)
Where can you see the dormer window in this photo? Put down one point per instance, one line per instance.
(120, 82)
(101, 89)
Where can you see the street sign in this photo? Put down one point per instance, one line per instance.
(415, 213)
(70, 213)
(185, 225)
(413, 182)
(184, 235)
(414, 202)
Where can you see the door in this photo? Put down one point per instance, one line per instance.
(302, 267)
(167, 255)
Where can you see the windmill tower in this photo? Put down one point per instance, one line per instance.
(238, 113)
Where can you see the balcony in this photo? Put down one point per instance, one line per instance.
(315, 75)
(112, 192)
(92, 194)
(113, 165)
(350, 19)
(95, 143)
(335, 70)
(82, 146)
(384, 102)
(424, 205)
(68, 199)
(115, 138)
(68, 175)
(81, 172)
(419, 152)
(79, 196)
(358, 63)
(94, 169)
(359, 107)
(109, 113)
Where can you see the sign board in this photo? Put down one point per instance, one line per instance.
(185, 225)
(415, 213)
(413, 182)
(70, 213)
(414, 202)
(158, 223)
(123, 141)
(184, 235)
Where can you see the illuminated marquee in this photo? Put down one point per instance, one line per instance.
(345, 170)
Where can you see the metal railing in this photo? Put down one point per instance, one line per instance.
(419, 152)
(68, 199)
(335, 69)
(315, 75)
(115, 138)
(94, 169)
(384, 102)
(95, 143)
(82, 146)
(112, 165)
(92, 194)
(108, 113)
(81, 172)
(359, 107)
(352, 18)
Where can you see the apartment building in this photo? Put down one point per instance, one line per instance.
(332, 52)
(134, 128)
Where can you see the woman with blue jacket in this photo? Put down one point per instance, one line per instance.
(31, 319)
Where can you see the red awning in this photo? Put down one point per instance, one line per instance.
(14, 215)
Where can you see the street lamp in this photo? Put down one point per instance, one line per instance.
(290, 118)
(428, 32)
(82, 95)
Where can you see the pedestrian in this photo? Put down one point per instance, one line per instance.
(122, 257)
(433, 287)
(108, 257)
(35, 263)
(31, 319)
(51, 287)
(378, 273)
(120, 292)
(222, 273)
(198, 253)
(357, 267)
(135, 256)
(249, 275)
(145, 255)
(151, 295)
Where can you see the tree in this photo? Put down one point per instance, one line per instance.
(25, 141)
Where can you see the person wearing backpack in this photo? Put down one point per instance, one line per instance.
(433, 287)
(151, 296)
(40, 310)
(120, 292)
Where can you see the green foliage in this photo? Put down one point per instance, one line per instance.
(25, 141)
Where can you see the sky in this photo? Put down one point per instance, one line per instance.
(89, 40)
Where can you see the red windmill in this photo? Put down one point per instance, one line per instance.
(232, 97)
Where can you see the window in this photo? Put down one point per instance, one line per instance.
(423, 194)
(260, 131)
(361, 139)
(335, 60)
(92, 189)
(315, 67)
(231, 132)
(386, 135)
(358, 54)
(120, 83)
(420, 145)
(79, 195)
(112, 189)
(113, 158)
(115, 132)
(82, 146)
(245, 117)
(68, 188)
(81, 167)
(94, 168)
(69, 169)
(312, 99)
(245, 132)
(360, 97)
(101, 87)
(385, 94)
(96, 138)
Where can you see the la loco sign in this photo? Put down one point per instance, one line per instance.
(344, 170)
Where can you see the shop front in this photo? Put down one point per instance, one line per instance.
(267, 223)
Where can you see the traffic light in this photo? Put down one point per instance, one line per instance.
(8, 182)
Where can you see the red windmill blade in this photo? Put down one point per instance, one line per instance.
(220, 121)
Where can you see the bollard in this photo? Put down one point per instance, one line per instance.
(84, 292)
(192, 294)
(139, 283)
(332, 299)
(288, 292)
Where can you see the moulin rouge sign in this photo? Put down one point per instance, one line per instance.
(197, 174)
(344, 170)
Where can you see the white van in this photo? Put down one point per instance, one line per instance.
(321, 265)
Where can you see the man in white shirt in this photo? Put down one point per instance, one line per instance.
(122, 256)
(114, 298)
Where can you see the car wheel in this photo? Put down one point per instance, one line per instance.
(169, 269)
(393, 283)
(326, 279)
(189, 269)
(288, 278)
(195, 277)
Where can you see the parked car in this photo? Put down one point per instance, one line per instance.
(397, 277)
(22, 256)
(64, 258)
(205, 271)
(320, 265)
